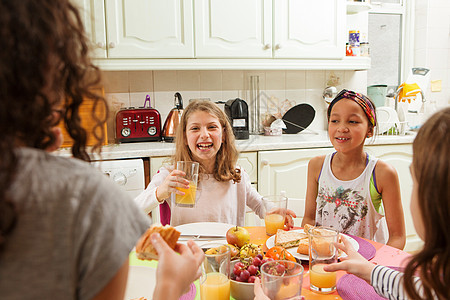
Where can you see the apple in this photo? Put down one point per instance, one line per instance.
(238, 236)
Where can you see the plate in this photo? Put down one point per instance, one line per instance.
(386, 118)
(293, 250)
(206, 229)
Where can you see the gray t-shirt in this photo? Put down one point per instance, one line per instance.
(74, 231)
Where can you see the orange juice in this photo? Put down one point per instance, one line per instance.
(322, 279)
(273, 223)
(189, 195)
(216, 286)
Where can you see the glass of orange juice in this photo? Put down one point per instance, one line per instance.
(275, 207)
(191, 170)
(215, 278)
(282, 279)
(322, 252)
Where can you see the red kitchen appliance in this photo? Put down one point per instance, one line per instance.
(142, 124)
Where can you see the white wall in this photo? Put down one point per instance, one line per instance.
(432, 44)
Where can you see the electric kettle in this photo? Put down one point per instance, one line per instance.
(173, 119)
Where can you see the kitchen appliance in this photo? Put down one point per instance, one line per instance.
(237, 112)
(173, 119)
(141, 124)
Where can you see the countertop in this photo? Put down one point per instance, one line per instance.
(302, 140)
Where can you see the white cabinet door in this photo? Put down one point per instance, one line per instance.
(400, 157)
(233, 28)
(285, 170)
(309, 29)
(93, 16)
(149, 29)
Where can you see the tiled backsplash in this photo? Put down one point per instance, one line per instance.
(129, 88)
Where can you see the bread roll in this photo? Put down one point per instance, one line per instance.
(144, 247)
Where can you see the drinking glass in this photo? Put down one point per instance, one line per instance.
(321, 253)
(275, 207)
(282, 279)
(215, 278)
(191, 170)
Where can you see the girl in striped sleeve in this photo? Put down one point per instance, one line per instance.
(427, 274)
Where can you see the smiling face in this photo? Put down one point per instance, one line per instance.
(348, 125)
(204, 136)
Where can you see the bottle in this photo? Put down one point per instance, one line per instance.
(353, 40)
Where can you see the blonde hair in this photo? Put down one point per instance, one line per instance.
(226, 158)
(431, 165)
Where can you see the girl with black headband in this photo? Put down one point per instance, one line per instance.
(349, 189)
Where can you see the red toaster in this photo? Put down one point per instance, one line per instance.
(142, 124)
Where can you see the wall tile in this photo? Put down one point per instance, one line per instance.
(116, 81)
(436, 58)
(188, 80)
(210, 80)
(232, 80)
(315, 80)
(295, 80)
(212, 95)
(356, 81)
(275, 80)
(138, 99)
(164, 102)
(115, 102)
(229, 94)
(165, 81)
(140, 81)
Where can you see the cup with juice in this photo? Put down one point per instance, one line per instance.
(275, 207)
(215, 278)
(322, 252)
(282, 279)
(191, 170)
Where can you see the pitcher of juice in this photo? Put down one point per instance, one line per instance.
(191, 170)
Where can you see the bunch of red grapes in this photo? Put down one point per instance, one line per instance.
(246, 270)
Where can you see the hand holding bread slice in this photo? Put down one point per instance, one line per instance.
(144, 247)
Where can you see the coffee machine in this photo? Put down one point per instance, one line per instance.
(237, 112)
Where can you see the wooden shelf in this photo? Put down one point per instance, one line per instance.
(357, 7)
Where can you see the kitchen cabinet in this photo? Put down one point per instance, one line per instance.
(140, 28)
(286, 171)
(270, 29)
(251, 34)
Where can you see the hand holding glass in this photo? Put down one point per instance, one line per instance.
(191, 170)
(322, 252)
(275, 207)
(215, 278)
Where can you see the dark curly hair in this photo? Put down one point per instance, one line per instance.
(44, 68)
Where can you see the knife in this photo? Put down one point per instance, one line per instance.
(201, 237)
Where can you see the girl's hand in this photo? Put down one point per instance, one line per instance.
(259, 294)
(176, 272)
(354, 263)
(288, 221)
(173, 180)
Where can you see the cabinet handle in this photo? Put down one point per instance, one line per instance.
(112, 45)
(101, 45)
(277, 46)
(266, 47)
(264, 162)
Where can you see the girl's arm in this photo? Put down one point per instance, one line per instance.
(314, 167)
(389, 187)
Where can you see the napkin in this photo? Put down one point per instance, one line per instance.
(408, 92)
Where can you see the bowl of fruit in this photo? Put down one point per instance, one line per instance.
(243, 275)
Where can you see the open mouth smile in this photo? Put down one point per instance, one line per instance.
(342, 139)
(204, 146)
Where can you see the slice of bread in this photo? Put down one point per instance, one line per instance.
(288, 239)
(303, 247)
(144, 247)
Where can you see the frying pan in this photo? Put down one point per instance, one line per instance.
(299, 117)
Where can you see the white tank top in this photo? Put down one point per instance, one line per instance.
(347, 206)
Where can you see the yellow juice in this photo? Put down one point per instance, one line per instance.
(321, 278)
(273, 223)
(216, 286)
(189, 195)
